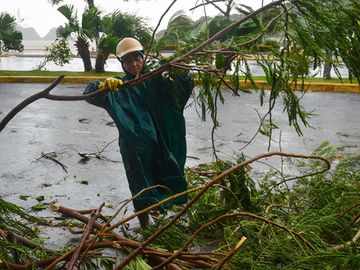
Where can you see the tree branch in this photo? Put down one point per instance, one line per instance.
(203, 190)
(28, 101)
(45, 93)
(84, 237)
(157, 26)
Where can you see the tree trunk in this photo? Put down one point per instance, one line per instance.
(83, 50)
(100, 61)
(91, 3)
(327, 65)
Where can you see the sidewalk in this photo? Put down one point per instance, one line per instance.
(311, 86)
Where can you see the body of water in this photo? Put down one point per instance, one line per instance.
(29, 59)
(31, 62)
(112, 64)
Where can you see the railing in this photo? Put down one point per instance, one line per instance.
(25, 52)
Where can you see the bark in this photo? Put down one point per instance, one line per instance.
(327, 65)
(84, 237)
(91, 3)
(84, 52)
(100, 61)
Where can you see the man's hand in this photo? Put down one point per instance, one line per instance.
(111, 83)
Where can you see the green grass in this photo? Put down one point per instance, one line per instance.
(55, 73)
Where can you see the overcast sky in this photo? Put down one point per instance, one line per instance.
(43, 16)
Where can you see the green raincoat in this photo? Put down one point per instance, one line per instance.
(149, 117)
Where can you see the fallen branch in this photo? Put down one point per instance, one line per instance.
(121, 242)
(45, 93)
(231, 253)
(204, 189)
(348, 243)
(31, 99)
(49, 157)
(14, 238)
(218, 219)
(84, 237)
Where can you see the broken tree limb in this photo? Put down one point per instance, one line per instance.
(196, 259)
(45, 93)
(205, 188)
(84, 237)
(14, 238)
(348, 243)
(28, 101)
(231, 253)
(50, 157)
(217, 220)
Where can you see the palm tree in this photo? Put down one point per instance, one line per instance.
(229, 5)
(84, 32)
(178, 31)
(114, 27)
(8, 34)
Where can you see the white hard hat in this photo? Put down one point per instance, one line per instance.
(128, 45)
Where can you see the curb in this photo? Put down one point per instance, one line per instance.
(309, 86)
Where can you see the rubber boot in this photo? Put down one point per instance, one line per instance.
(144, 220)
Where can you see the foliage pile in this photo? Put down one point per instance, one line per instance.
(312, 225)
(286, 222)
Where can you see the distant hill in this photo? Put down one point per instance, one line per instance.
(51, 35)
(29, 33)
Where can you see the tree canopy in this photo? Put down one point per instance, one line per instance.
(313, 225)
(9, 36)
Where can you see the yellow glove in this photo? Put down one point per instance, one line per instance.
(111, 83)
(182, 51)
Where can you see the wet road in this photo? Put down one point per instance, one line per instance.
(70, 127)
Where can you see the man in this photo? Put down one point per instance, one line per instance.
(151, 125)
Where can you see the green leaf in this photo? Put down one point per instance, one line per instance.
(24, 197)
(38, 207)
(219, 61)
(39, 198)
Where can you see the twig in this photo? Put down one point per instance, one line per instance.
(28, 101)
(45, 93)
(203, 190)
(14, 238)
(74, 214)
(296, 177)
(89, 211)
(105, 227)
(120, 241)
(106, 146)
(84, 237)
(231, 253)
(49, 157)
(268, 208)
(157, 26)
(154, 206)
(218, 219)
(348, 243)
(208, 3)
